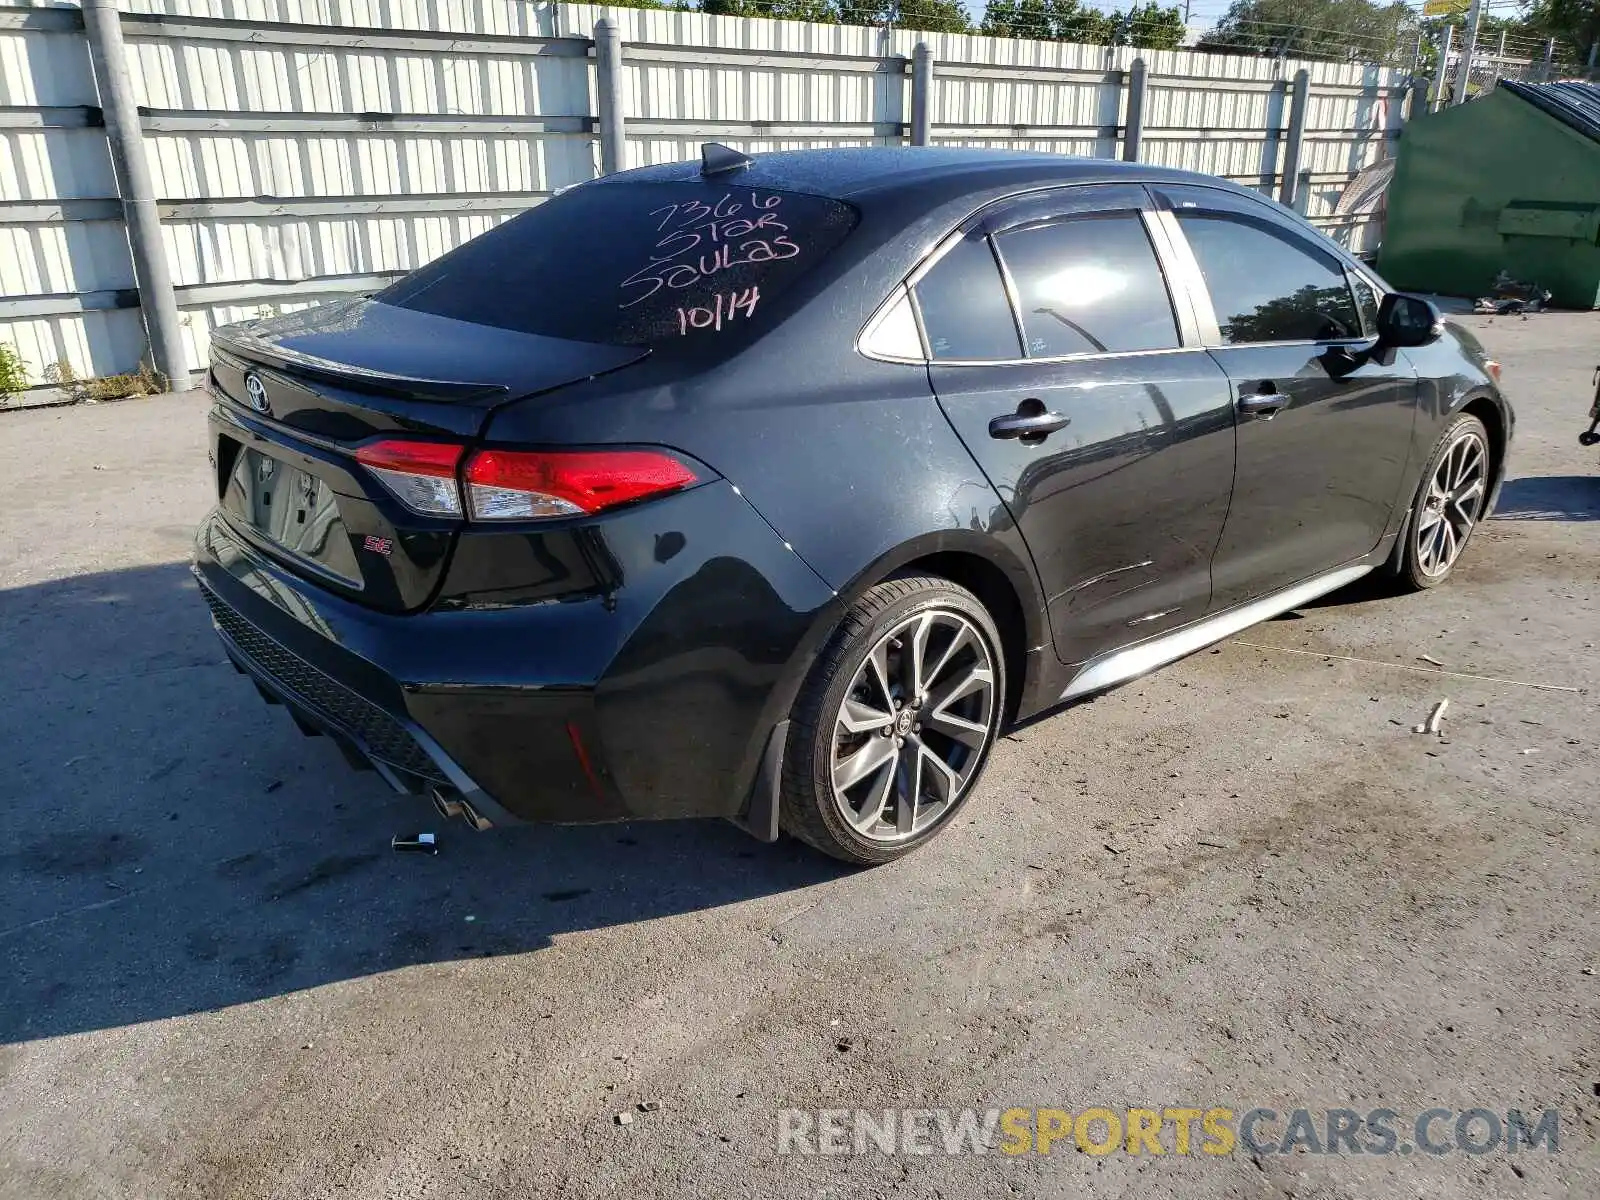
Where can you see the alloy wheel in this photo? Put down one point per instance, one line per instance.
(1453, 504)
(913, 726)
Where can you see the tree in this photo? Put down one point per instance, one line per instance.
(930, 16)
(934, 16)
(1047, 21)
(1151, 26)
(1575, 25)
(1341, 30)
(821, 11)
(1014, 19)
(1146, 24)
(1310, 314)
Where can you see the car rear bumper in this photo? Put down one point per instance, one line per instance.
(329, 692)
(592, 709)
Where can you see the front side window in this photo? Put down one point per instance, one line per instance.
(965, 312)
(1366, 302)
(1089, 285)
(1267, 285)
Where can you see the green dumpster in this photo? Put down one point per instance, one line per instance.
(1510, 182)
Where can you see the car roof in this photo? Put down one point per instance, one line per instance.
(886, 173)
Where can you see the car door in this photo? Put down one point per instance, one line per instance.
(1079, 386)
(1323, 433)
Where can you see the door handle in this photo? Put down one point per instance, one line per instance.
(1031, 422)
(1264, 402)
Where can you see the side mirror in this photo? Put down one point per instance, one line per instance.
(1408, 321)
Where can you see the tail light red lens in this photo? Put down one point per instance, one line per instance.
(523, 485)
(519, 485)
(422, 475)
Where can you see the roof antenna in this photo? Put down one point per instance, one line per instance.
(717, 159)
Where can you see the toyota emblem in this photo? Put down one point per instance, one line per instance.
(257, 391)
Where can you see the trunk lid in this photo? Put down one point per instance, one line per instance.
(297, 395)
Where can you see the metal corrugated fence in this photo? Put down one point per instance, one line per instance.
(302, 149)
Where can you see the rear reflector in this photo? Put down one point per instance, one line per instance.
(522, 485)
(422, 475)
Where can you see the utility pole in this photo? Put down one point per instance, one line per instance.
(108, 59)
(608, 90)
(1550, 60)
(1443, 69)
(1468, 48)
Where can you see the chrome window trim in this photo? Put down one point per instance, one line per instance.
(1180, 273)
(1013, 297)
(1089, 356)
(875, 323)
(1196, 318)
(940, 249)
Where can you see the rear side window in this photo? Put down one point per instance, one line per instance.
(658, 264)
(1089, 285)
(1266, 284)
(965, 312)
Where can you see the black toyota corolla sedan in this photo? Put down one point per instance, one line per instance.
(773, 488)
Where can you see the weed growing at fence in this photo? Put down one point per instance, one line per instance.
(13, 372)
(146, 381)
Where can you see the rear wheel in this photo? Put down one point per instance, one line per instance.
(895, 723)
(1449, 503)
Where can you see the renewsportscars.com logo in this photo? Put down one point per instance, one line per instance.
(1100, 1130)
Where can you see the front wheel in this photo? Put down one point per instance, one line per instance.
(895, 722)
(1449, 504)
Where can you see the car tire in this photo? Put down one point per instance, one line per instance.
(874, 767)
(1447, 508)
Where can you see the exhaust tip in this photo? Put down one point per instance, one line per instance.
(446, 805)
(450, 803)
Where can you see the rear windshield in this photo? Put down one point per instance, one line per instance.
(658, 264)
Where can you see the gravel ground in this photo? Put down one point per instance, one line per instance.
(1243, 881)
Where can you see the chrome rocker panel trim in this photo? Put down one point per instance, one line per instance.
(1133, 661)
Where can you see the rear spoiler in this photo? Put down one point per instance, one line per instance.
(271, 353)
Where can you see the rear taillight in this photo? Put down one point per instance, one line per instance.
(422, 475)
(523, 485)
(519, 485)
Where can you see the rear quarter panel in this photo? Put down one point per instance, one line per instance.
(850, 460)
